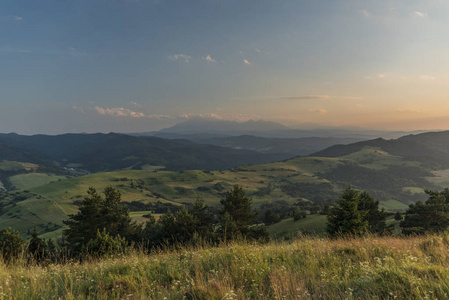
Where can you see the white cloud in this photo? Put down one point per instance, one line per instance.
(184, 57)
(208, 58)
(320, 111)
(427, 77)
(258, 51)
(136, 104)
(79, 109)
(246, 62)
(18, 19)
(381, 75)
(118, 112)
(317, 97)
(419, 14)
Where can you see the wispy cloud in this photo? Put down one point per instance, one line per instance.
(176, 57)
(427, 77)
(365, 13)
(208, 58)
(18, 19)
(419, 14)
(320, 111)
(136, 104)
(79, 109)
(320, 97)
(246, 62)
(118, 112)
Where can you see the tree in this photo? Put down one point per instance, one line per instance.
(37, 246)
(431, 216)
(236, 214)
(355, 213)
(298, 213)
(398, 216)
(11, 244)
(271, 217)
(95, 214)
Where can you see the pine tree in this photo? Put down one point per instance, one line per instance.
(95, 214)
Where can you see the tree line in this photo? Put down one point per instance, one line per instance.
(103, 226)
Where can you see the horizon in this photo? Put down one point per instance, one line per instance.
(139, 66)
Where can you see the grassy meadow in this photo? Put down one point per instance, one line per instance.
(305, 268)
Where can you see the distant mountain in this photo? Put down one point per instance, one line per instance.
(209, 128)
(107, 152)
(292, 146)
(222, 126)
(431, 148)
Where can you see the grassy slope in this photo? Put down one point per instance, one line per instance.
(309, 268)
(26, 181)
(288, 228)
(51, 202)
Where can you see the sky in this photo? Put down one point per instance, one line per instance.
(143, 65)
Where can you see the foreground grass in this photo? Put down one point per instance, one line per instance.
(308, 268)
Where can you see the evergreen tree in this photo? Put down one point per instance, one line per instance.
(345, 217)
(37, 246)
(398, 216)
(356, 213)
(95, 214)
(431, 216)
(236, 214)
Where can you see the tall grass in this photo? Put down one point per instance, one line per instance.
(307, 268)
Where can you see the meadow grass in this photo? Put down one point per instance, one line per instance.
(307, 268)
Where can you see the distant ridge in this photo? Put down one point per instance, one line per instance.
(222, 126)
(108, 152)
(431, 148)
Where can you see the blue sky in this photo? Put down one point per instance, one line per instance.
(141, 65)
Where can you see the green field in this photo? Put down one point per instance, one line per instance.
(52, 198)
(26, 181)
(288, 228)
(393, 205)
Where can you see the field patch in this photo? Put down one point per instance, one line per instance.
(312, 224)
(393, 205)
(25, 181)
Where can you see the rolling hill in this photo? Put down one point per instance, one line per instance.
(376, 166)
(109, 152)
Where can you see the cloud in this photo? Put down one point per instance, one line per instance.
(419, 14)
(365, 13)
(176, 57)
(209, 59)
(381, 75)
(118, 112)
(79, 109)
(318, 97)
(18, 19)
(258, 51)
(199, 115)
(320, 111)
(136, 104)
(246, 62)
(427, 77)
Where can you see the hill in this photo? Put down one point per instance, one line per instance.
(310, 182)
(431, 149)
(109, 152)
(291, 146)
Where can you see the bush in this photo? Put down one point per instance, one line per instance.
(11, 244)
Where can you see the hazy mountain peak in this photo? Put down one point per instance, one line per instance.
(215, 125)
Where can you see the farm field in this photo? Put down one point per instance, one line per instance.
(308, 179)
